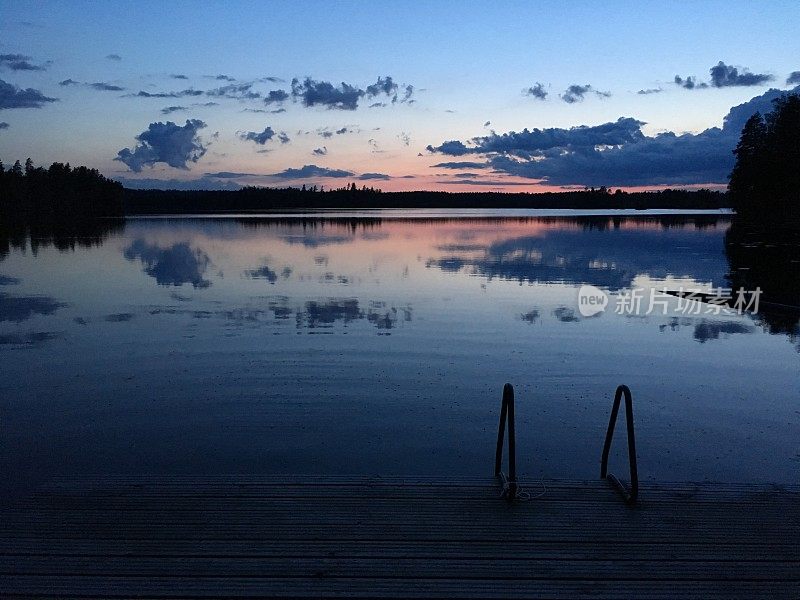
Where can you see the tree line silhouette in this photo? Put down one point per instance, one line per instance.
(765, 181)
(57, 206)
(58, 193)
(763, 241)
(254, 199)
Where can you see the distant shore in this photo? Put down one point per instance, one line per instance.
(263, 200)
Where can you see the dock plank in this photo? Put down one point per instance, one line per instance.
(293, 537)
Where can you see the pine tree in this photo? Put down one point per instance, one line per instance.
(765, 181)
(783, 134)
(749, 154)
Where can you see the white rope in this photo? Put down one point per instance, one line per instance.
(523, 495)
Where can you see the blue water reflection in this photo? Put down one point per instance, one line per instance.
(379, 346)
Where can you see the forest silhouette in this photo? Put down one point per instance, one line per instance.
(765, 181)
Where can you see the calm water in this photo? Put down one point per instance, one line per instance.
(380, 346)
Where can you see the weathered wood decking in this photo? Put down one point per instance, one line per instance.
(344, 537)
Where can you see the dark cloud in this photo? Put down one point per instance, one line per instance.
(368, 176)
(143, 94)
(100, 86)
(576, 93)
(320, 151)
(404, 138)
(12, 96)
(485, 182)
(309, 171)
(328, 132)
(114, 57)
(175, 265)
(346, 96)
(536, 91)
(272, 79)
(460, 164)
(616, 153)
(541, 143)
(238, 91)
(664, 159)
(171, 109)
(262, 137)
(451, 148)
(794, 77)
(276, 96)
(266, 112)
(180, 94)
(4, 125)
(649, 91)
(18, 62)
(723, 75)
(230, 175)
(168, 143)
(689, 83)
(259, 138)
(178, 76)
(323, 93)
(388, 87)
(382, 86)
(105, 87)
(222, 77)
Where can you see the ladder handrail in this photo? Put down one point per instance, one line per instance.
(630, 495)
(508, 482)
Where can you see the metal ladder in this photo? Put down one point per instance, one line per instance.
(508, 482)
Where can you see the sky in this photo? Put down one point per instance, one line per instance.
(512, 96)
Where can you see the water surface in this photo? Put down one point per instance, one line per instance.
(379, 344)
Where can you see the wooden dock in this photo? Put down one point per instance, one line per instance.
(348, 537)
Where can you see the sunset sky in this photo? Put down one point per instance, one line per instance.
(447, 95)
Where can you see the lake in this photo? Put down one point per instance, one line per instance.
(378, 343)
